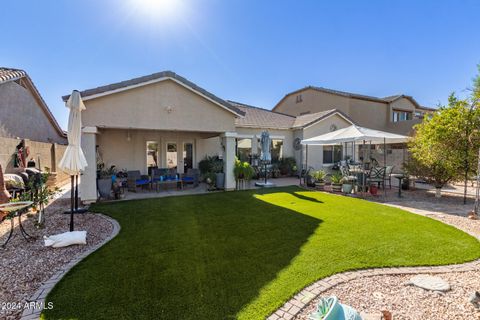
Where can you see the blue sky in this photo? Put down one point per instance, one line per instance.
(250, 51)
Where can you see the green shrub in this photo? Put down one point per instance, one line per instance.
(287, 166)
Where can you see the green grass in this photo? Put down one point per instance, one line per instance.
(240, 255)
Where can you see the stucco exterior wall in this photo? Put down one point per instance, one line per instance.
(312, 101)
(370, 114)
(315, 153)
(22, 116)
(49, 154)
(164, 105)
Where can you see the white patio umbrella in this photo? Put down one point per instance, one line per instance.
(356, 133)
(73, 160)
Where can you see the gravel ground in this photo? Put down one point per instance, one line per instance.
(389, 292)
(25, 265)
(378, 293)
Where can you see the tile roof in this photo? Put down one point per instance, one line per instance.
(8, 74)
(152, 77)
(262, 118)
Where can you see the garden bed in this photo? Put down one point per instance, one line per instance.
(25, 265)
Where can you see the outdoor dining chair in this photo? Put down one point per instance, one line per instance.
(377, 175)
(388, 175)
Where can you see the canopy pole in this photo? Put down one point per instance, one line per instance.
(364, 182)
(385, 165)
(306, 164)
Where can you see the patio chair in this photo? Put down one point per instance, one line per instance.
(377, 175)
(135, 179)
(347, 175)
(191, 177)
(388, 175)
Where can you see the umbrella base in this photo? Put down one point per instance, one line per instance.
(265, 184)
(79, 210)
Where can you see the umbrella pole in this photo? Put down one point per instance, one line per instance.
(71, 201)
(76, 193)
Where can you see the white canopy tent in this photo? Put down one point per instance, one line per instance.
(356, 133)
(353, 134)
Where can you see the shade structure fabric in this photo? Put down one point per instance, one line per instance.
(73, 160)
(356, 133)
(265, 154)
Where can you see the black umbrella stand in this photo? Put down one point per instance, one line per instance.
(74, 200)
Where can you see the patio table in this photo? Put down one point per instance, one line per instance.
(400, 177)
(15, 209)
(157, 182)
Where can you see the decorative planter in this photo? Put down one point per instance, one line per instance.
(105, 187)
(220, 180)
(373, 190)
(347, 188)
(336, 187)
(241, 184)
(320, 185)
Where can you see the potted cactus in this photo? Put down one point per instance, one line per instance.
(337, 181)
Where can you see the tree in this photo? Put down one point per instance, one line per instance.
(445, 146)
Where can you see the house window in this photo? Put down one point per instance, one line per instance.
(299, 98)
(276, 149)
(332, 154)
(244, 149)
(399, 115)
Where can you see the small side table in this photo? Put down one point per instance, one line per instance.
(16, 208)
(400, 177)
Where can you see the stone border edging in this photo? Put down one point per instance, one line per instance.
(295, 305)
(39, 296)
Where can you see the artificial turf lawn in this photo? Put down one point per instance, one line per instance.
(242, 254)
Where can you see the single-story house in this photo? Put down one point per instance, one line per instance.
(167, 120)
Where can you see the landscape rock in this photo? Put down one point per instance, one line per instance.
(429, 283)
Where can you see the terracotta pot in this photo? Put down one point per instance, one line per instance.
(4, 194)
(373, 190)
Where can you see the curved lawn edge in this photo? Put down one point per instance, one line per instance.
(40, 295)
(299, 301)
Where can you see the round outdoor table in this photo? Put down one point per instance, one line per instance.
(15, 209)
(400, 177)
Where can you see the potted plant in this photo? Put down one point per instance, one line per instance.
(336, 180)
(347, 187)
(243, 173)
(210, 178)
(319, 177)
(219, 174)
(104, 182)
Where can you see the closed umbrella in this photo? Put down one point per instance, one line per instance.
(265, 157)
(73, 160)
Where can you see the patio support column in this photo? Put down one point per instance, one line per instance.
(88, 179)
(229, 159)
